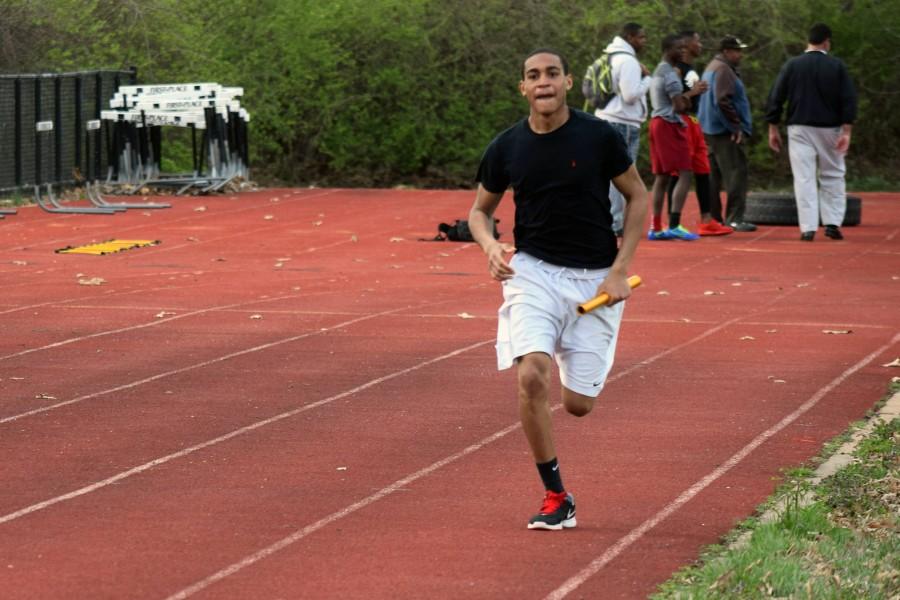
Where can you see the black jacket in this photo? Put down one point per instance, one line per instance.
(818, 91)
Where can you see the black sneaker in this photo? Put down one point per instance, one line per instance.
(807, 236)
(834, 232)
(557, 511)
(742, 226)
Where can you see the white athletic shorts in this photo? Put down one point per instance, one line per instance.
(539, 314)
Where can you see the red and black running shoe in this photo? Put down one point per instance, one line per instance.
(557, 511)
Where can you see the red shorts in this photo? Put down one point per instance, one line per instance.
(670, 149)
(699, 152)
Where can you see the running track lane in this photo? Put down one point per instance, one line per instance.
(505, 491)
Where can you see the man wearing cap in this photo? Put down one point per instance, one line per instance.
(821, 108)
(724, 115)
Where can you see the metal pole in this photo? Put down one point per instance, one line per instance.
(57, 128)
(38, 179)
(78, 122)
(17, 135)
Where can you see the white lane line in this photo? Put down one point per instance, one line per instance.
(154, 323)
(19, 308)
(264, 203)
(638, 532)
(142, 468)
(206, 363)
(181, 453)
(301, 533)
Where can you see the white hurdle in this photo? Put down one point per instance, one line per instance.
(137, 111)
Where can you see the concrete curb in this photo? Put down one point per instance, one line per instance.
(840, 459)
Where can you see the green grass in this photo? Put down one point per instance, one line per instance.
(873, 183)
(16, 199)
(845, 544)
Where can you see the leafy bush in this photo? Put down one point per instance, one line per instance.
(381, 92)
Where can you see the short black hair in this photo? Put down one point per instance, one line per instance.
(818, 33)
(687, 33)
(556, 53)
(630, 29)
(670, 41)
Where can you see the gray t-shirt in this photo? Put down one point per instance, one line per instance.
(665, 85)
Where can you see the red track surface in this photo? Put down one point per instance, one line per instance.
(282, 400)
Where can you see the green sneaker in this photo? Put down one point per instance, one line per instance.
(680, 233)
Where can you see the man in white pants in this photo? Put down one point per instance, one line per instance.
(821, 108)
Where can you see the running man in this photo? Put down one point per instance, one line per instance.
(559, 162)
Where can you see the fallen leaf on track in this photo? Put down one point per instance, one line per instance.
(465, 315)
(748, 337)
(837, 331)
(92, 281)
(256, 316)
(164, 313)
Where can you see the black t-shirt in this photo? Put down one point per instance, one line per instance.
(560, 184)
(686, 85)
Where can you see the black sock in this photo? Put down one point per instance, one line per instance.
(550, 476)
(674, 220)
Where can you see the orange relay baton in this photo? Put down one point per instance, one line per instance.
(598, 301)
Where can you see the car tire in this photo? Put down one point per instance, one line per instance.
(764, 208)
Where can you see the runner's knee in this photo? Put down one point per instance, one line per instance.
(577, 404)
(534, 378)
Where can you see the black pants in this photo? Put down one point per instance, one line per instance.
(729, 170)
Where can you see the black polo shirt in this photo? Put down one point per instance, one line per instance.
(560, 184)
